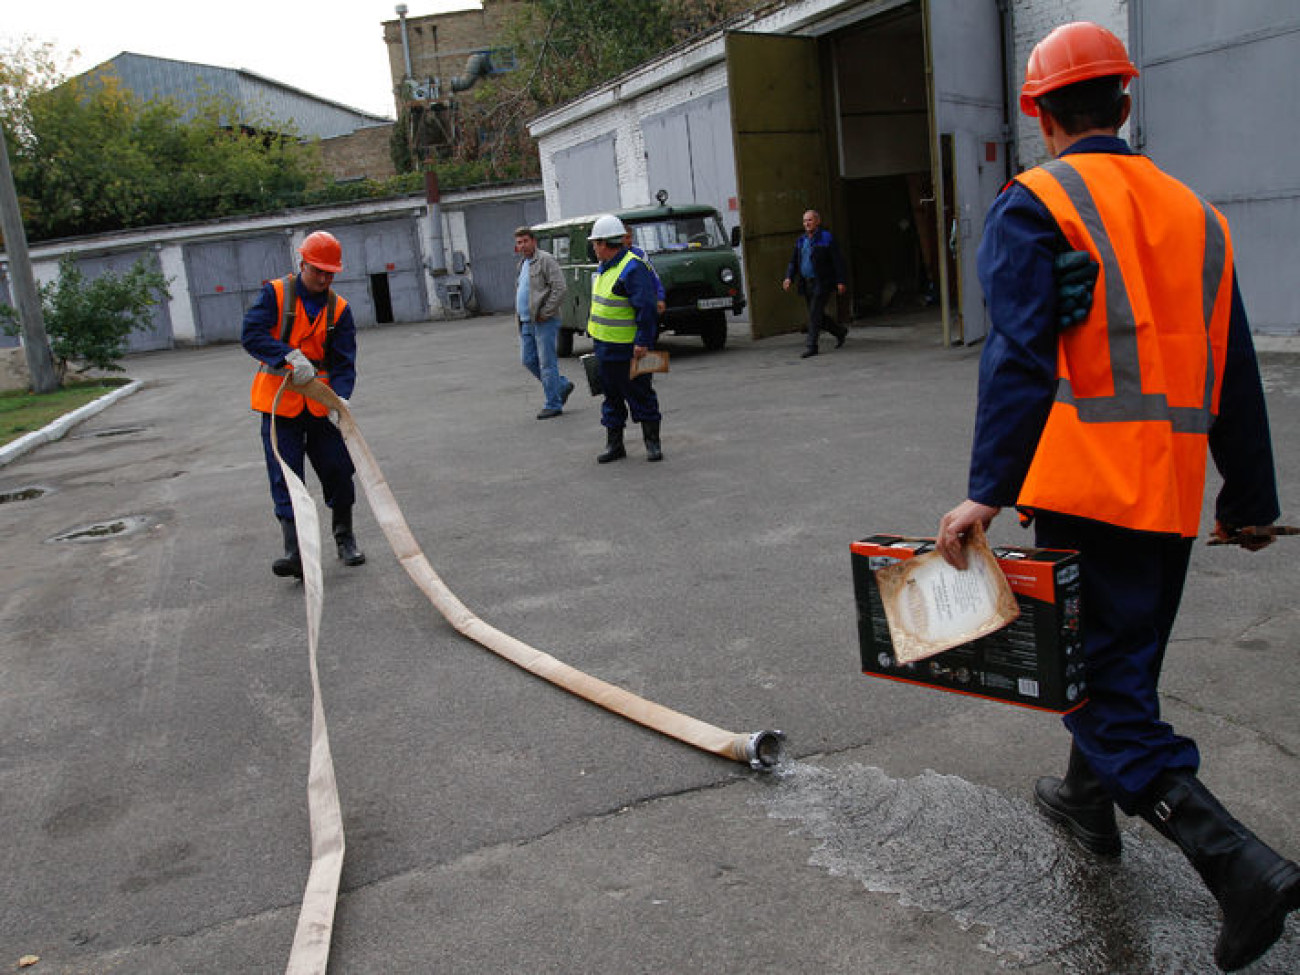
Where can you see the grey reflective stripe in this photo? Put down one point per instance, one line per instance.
(288, 311)
(1129, 403)
(614, 302)
(1216, 258)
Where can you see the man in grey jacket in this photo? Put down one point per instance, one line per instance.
(539, 291)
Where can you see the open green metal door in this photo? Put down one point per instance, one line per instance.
(782, 164)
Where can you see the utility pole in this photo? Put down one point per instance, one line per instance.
(40, 364)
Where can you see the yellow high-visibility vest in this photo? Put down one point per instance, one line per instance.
(613, 319)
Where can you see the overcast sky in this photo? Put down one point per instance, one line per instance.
(331, 48)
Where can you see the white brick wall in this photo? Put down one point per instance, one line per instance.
(626, 104)
(623, 118)
(1034, 20)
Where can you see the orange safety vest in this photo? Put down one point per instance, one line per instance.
(311, 335)
(1138, 381)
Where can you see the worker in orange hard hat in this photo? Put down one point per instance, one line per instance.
(1097, 430)
(301, 329)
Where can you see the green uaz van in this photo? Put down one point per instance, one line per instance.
(690, 251)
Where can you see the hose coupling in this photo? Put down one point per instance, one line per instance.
(764, 750)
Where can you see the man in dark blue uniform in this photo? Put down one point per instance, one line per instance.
(300, 326)
(1117, 384)
(624, 325)
(817, 267)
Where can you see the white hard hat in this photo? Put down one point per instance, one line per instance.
(607, 227)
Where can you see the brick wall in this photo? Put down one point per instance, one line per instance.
(440, 44)
(1034, 20)
(363, 153)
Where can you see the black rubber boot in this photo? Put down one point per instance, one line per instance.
(291, 563)
(343, 538)
(614, 449)
(653, 449)
(1256, 887)
(1080, 804)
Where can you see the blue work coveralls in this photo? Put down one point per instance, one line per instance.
(305, 435)
(640, 286)
(1132, 580)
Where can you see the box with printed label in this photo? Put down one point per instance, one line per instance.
(1036, 661)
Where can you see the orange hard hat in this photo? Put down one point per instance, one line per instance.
(1072, 53)
(322, 250)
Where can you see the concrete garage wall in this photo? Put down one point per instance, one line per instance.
(392, 275)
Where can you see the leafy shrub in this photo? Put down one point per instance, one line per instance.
(88, 322)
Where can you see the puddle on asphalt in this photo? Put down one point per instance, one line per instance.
(991, 861)
(100, 530)
(21, 494)
(107, 432)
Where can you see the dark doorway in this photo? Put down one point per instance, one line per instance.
(379, 294)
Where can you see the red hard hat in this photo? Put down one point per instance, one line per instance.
(322, 250)
(1072, 53)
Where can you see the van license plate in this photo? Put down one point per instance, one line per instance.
(713, 303)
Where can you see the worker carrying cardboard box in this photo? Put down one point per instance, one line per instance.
(1098, 431)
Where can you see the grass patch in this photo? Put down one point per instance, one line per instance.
(22, 412)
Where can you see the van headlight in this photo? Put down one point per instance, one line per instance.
(727, 275)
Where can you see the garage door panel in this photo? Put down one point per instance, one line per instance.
(1182, 26)
(158, 333)
(1264, 242)
(777, 112)
(221, 315)
(1216, 107)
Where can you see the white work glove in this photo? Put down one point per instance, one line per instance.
(303, 370)
(334, 414)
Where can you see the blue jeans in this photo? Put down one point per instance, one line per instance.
(537, 353)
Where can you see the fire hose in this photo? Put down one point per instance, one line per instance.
(761, 750)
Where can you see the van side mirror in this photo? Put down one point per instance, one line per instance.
(735, 236)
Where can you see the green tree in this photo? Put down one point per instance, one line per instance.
(89, 322)
(26, 69)
(564, 48)
(91, 157)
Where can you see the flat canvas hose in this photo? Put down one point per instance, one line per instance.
(761, 750)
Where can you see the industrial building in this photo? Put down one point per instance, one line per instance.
(898, 120)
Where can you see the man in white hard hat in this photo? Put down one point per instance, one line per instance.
(624, 324)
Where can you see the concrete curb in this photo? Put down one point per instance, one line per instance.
(1277, 343)
(60, 427)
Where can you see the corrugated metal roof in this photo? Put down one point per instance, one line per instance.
(187, 82)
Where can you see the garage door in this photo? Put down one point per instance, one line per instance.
(158, 335)
(382, 276)
(226, 277)
(1216, 106)
(490, 228)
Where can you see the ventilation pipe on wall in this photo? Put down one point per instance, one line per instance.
(406, 44)
(437, 251)
(478, 66)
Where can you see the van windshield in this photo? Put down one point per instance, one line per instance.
(679, 234)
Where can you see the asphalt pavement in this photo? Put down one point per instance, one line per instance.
(155, 706)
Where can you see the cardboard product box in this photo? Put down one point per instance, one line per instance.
(1036, 661)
